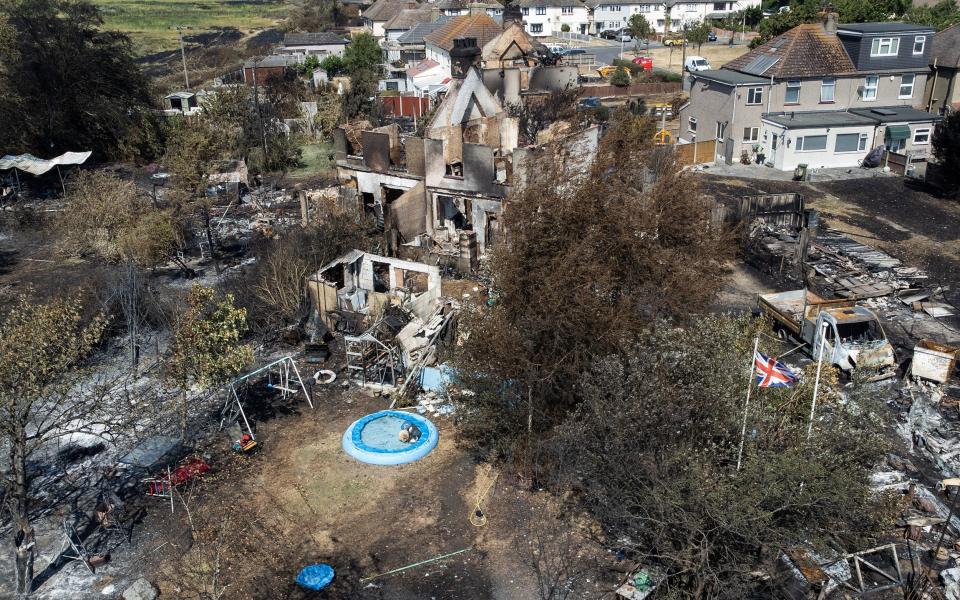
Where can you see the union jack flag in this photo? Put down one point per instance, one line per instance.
(771, 373)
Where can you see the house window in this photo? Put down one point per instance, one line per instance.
(600, 25)
(921, 136)
(755, 96)
(691, 8)
(645, 8)
(536, 28)
(566, 10)
(719, 6)
(851, 142)
(885, 47)
(541, 10)
(828, 88)
(392, 85)
(526, 11)
(793, 93)
(751, 134)
(692, 125)
(811, 143)
(906, 86)
(919, 43)
(614, 8)
(870, 87)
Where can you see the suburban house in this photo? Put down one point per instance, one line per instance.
(615, 14)
(459, 8)
(427, 77)
(409, 47)
(439, 42)
(547, 17)
(943, 88)
(819, 94)
(375, 17)
(439, 198)
(406, 20)
(321, 45)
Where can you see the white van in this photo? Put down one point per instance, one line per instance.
(696, 63)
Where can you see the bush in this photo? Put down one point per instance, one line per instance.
(620, 77)
(565, 28)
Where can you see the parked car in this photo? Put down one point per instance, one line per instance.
(645, 62)
(711, 37)
(625, 37)
(696, 63)
(588, 102)
(572, 51)
(675, 41)
(555, 48)
(609, 34)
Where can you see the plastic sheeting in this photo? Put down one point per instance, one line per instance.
(315, 577)
(38, 166)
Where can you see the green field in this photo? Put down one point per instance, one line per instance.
(152, 24)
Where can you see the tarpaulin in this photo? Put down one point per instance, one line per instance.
(38, 166)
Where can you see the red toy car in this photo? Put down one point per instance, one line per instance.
(645, 62)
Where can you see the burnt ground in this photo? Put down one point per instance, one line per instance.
(909, 223)
(364, 519)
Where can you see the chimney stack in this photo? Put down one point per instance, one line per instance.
(512, 14)
(464, 55)
(829, 20)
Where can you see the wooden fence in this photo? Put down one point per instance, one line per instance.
(783, 210)
(696, 153)
(404, 106)
(636, 89)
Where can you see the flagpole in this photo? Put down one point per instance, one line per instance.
(816, 384)
(743, 430)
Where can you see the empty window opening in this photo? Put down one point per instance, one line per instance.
(381, 277)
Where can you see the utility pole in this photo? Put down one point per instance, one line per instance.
(183, 57)
(256, 99)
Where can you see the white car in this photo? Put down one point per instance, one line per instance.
(696, 63)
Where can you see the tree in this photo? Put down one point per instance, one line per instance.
(363, 53)
(620, 77)
(536, 114)
(946, 149)
(78, 85)
(329, 113)
(639, 28)
(587, 264)
(44, 394)
(941, 15)
(333, 65)
(105, 216)
(654, 447)
(699, 34)
(206, 349)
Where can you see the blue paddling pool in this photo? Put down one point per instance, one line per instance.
(375, 439)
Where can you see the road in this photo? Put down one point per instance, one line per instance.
(605, 55)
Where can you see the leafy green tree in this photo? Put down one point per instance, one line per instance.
(78, 85)
(620, 77)
(333, 65)
(363, 53)
(44, 395)
(206, 349)
(946, 148)
(639, 28)
(699, 34)
(941, 15)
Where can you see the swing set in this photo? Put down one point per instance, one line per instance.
(281, 374)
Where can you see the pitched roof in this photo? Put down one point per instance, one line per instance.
(481, 27)
(729, 77)
(946, 47)
(415, 35)
(574, 3)
(384, 10)
(422, 67)
(314, 39)
(406, 19)
(804, 51)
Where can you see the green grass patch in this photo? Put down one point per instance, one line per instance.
(315, 160)
(152, 24)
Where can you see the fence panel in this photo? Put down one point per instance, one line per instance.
(696, 153)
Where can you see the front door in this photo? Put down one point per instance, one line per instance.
(721, 128)
(773, 149)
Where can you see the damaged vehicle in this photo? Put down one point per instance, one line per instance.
(851, 335)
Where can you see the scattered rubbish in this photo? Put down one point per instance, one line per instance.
(324, 377)
(638, 586)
